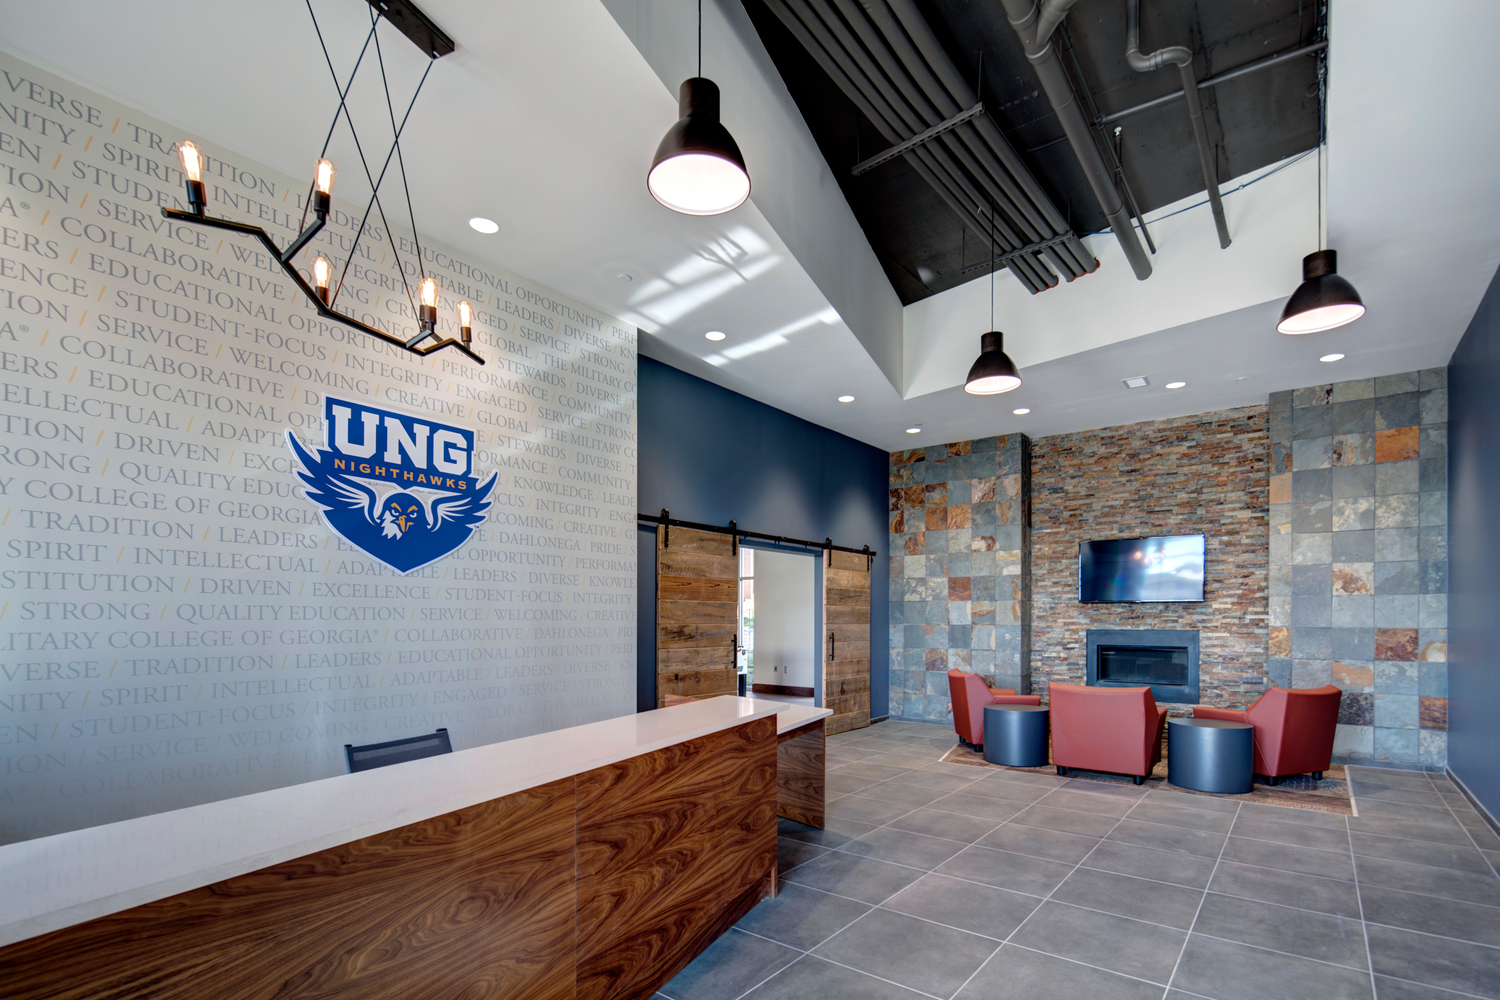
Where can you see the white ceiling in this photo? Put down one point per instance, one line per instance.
(547, 115)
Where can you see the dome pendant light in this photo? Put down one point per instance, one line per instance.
(1324, 300)
(993, 371)
(698, 168)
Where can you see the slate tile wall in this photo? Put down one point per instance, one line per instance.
(1205, 474)
(1359, 558)
(960, 570)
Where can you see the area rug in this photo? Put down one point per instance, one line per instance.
(1330, 795)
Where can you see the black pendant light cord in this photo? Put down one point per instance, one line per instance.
(700, 37)
(1322, 117)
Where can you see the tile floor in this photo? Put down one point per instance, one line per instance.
(944, 880)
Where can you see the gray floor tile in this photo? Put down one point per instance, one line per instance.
(1297, 834)
(1397, 989)
(1091, 802)
(914, 953)
(1170, 795)
(1039, 843)
(864, 879)
(1285, 857)
(982, 909)
(1115, 789)
(1017, 972)
(898, 793)
(1432, 915)
(1166, 838)
(1484, 838)
(1444, 830)
(911, 760)
(813, 977)
(935, 782)
(1283, 929)
(1421, 853)
(1006, 870)
(1446, 882)
(1381, 793)
(900, 847)
(1127, 859)
(1173, 905)
(1389, 776)
(1435, 961)
(1228, 971)
(1028, 778)
(791, 853)
(872, 769)
(967, 803)
(1325, 895)
(1438, 812)
(937, 823)
(800, 917)
(1048, 817)
(1119, 944)
(734, 963)
(843, 784)
(1154, 810)
(1010, 791)
(1285, 814)
(867, 809)
(792, 830)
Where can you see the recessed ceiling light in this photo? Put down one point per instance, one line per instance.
(914, 430)
(1242, 378)
(624, 278)
(1136, 382)
(714, 335)
(1021, 411)
(846, 399)
(1175, 385)
(483, 225)
(1332, 357)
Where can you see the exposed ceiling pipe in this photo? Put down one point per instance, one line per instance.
(1026, 18)
(1038, 223)
(936, 58)
(1181, 57)
(850, 72)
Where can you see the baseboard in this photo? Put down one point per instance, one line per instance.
(879, 718)
(925, 722)
(1463, 789)
(1389, 765)
(783, 690)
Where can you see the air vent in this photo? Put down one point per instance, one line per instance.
(1138, 382)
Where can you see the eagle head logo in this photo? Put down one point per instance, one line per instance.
(402, 513)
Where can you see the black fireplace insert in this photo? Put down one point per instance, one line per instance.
(1166, 660)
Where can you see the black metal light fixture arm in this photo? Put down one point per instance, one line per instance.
(285, 259)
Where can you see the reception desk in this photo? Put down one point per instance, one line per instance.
(801, 763)
(592, 862)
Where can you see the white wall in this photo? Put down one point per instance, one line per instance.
(784, 604)
(178, 624)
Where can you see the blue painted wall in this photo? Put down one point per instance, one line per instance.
(1474, 567)
(712, 455)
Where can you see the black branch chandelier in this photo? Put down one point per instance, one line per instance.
(411, 22)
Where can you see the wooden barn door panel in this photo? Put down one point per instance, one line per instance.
(697, 607)
(846, 641)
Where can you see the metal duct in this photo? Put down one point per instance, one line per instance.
(1182, 58)
(1026, 19)
(869, 56)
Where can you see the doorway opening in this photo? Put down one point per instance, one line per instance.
(778, 624)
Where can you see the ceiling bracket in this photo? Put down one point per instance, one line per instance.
(921, 137)
(415, 25)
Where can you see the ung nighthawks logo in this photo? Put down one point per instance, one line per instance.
(398, 487)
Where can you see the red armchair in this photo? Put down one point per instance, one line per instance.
(1114, 729)
(970, 695)
(1294, 729)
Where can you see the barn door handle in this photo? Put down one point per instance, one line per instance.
(832, 646)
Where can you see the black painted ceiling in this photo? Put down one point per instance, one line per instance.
(1253, 120)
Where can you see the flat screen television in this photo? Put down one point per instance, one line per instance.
(1141, 570)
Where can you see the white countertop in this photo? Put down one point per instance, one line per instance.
(789, 717)
(58, 881)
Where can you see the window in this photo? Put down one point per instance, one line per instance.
(747, 612)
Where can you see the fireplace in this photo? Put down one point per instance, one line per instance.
(1165, 660)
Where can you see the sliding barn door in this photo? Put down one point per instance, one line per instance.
(846, 641)
(697, 584)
